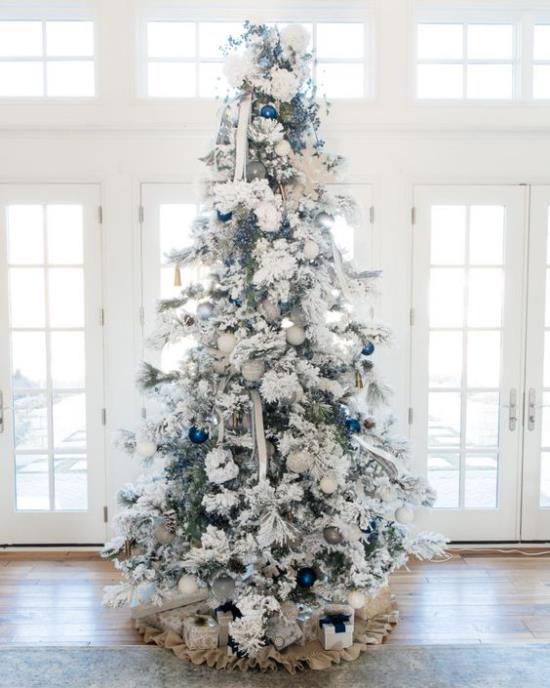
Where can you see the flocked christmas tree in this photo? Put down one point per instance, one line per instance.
(282, 483)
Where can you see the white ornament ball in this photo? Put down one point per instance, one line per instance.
(386, 493)
(253, 370)
(356, 599)
(271, 310)
(226, 342)
(283, 147)
(146, 448)
(205, 310)
(188, 585)
(311, 249)
(295, 335)
(328, 484)
(298, 461)
(404, 514)
(163, 535)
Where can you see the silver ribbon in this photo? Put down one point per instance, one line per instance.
(241, 138)
(381, 456)
(258, 434)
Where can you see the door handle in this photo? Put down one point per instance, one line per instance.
(513, 410)
(531, 408)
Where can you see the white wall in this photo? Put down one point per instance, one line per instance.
(120, 141)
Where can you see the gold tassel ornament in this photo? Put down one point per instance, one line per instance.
(358, 380)
(177, 276)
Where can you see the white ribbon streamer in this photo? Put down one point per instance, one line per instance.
(384, 458)
(340, 272)
(221, 422)
(258, 434)
(241, 138)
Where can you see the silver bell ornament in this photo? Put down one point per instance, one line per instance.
(205, 310)
(223, 587)
(255, 170)
(253, 370)
(323, 219)
(332, 535)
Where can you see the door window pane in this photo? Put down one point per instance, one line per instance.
(489, 81)
(490, 41)
(71, 482)
(482, 418)
(66, 297)
(445, 359)
(344, 236)
(70, 79)
(483, 359)
(541, 81)
(26, 297)
(444, 477)
(480, 485)
(32, 487)
(69, 38)
(30, 421)
(444, 419)
(69, 420)
(485, 297)
(25, 234)
(439, 81)
(486, 234)
(545, 480)
(171, 39)
(446, 297)
(68, 362)
(440, 41)
(21, 79)
(340, 41)
(541, 42)
(28, 354)
(20, 39)
(448, 234)
(64, 230)
(167, 80)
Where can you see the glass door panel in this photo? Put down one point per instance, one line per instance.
(466, 372)
(51, 363)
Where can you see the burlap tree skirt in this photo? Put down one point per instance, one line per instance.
(381, 614)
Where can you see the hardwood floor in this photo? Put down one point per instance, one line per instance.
(55, 598)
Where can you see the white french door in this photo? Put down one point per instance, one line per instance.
(52, 471)
(467, 356)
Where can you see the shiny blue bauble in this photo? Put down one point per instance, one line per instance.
(197, 435)
(353, 425)
(368, 349)
(306, 577)
(268, 111)
(224, 217)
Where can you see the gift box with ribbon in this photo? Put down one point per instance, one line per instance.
(225, 614)
(308, 621)
(336, 628)
(200, 632)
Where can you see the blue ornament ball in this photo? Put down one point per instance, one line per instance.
(353, 425)
(306, 577)
(268, 111)
(224, 217)
(198, 435)
(368, 349)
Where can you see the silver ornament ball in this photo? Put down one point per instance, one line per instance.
(163, 535)
(253, 370)
(255, 170)
(223, 587)
(332, 535)
(298, 461)
(205, 310)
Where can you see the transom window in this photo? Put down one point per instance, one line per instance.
(541, 61)
(184, 60)
(47, 58)
(466, 60)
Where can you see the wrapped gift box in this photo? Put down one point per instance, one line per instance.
(283, 632)
(308, 621)
(139, 610)
(200, 632)
(225, 614)
(336, 627)
(379, 603)
(172, 620)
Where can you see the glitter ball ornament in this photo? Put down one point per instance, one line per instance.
(328, 484)
(255, 170)
(356, 599)
(306, 577)
(298, 461)
(368, 349)
(146, 448)
(353, 425)
(223, 587)
(205, 310)
(253, 370)
(163, 535)
(310, 250)
(198, 435)
(188, 585)
(268, 111)
(224, 217)
(226, 342)
(295, 335)
(404, 514)
(332, 535)
(283, 148)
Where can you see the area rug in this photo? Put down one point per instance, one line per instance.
(387, 666)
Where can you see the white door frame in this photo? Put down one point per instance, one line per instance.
(49, 526)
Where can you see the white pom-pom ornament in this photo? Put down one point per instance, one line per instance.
(311, 249)
(356, 599)
(298, 461)
(226, 342)
(295, 335)
(283, 147)
(404, 514)
(253, 370)
(146, 448)
(328, 484)
(188, 585)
